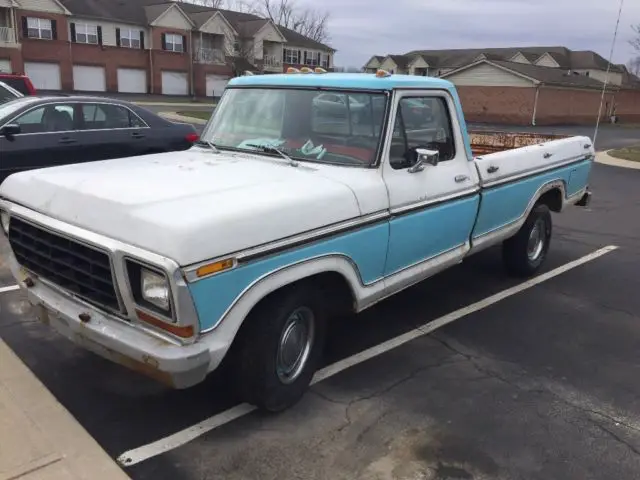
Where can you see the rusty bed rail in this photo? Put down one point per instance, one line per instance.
(490, 141)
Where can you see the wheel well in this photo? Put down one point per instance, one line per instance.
(552, 199)
(334, 286)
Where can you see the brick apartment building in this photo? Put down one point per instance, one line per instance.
(526, 85)
(144, 46)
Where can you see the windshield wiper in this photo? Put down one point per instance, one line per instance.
(207, 143)
(272, 149)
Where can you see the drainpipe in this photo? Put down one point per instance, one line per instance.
(535, 105)
(191, 66)
(151, 61)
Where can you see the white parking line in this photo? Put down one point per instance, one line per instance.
(10, 288)
(178, 439)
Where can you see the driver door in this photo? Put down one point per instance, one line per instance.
(434, 208)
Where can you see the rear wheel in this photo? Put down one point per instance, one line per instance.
(526, 251)
(279, 349)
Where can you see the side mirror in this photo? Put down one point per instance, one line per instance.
(430, 157)
(10, 130)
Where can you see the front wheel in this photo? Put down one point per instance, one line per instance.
(280, 348)
(525, 252)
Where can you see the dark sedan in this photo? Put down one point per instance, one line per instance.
(37, 132)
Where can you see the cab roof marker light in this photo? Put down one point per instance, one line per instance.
(320, 70)
(382, 73)
(306, 70)
(292, 70)
(248, 73)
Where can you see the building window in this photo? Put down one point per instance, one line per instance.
(292, 57)
(325, 60)
(173, 42)
(131, 38)
(39, 28)
(86, 34)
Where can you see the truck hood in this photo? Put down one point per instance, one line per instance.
(188, 206)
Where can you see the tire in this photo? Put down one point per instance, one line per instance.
(259, 377)
(521, 257)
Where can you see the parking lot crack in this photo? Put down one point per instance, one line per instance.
(616, 437)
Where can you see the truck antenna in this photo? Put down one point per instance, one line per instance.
(606, 80)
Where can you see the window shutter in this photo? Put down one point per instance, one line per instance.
(99, 35)
(118, 37)
(72, 28)
(299, 56)
(141, 40)
(184, 43)
(25, 28)
(284, 54)
(164, 41)
(54, 29)
(305, 57)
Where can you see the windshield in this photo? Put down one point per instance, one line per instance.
(336, 127)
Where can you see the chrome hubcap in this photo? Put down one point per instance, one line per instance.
(536, 241)
(295, 344)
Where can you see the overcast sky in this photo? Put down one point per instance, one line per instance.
(361, 28)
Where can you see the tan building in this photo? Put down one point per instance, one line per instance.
(526, 86)
(144, 46)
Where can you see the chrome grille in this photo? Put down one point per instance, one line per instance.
(71, 265)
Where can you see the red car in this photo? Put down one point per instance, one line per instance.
(19, 82)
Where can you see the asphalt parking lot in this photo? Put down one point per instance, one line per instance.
(541, 384)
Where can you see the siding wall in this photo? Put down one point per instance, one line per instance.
(109, 30)
(546, 61)
(173, 19)
(41, 6)
(488, 75)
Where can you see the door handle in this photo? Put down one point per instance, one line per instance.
(461, 178)
(547, 155)
(67, 141)
(137, 135)
(493, 169)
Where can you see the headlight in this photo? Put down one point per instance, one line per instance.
(4, 221)
(150, 288)
(155, 289)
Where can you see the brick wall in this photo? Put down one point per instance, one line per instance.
(200, 76)
(173, 61)
(55, 51)
(628, 106)
(514, 106)
(571, 106)
(502, 105)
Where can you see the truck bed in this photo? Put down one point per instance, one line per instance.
(490, 141)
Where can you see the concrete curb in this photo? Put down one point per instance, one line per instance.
(181, 118)
(606, 159)
(39, 437)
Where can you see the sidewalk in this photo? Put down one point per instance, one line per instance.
(39, 438)
(175, 117)
(606, 159)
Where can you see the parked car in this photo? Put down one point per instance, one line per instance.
(20, 82)
(8, 93)
(40, 132)
(242, 248)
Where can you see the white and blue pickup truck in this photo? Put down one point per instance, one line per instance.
(310, 194)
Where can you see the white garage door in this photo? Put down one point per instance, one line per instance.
(174, 83)
(89, 79)
(44, 76)
(5, 65)
(216, 84)
(132, 80)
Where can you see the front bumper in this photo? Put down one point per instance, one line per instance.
(178, 366)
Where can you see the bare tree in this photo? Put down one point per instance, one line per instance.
(634, 66)
(635, 42)
(306, 21)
